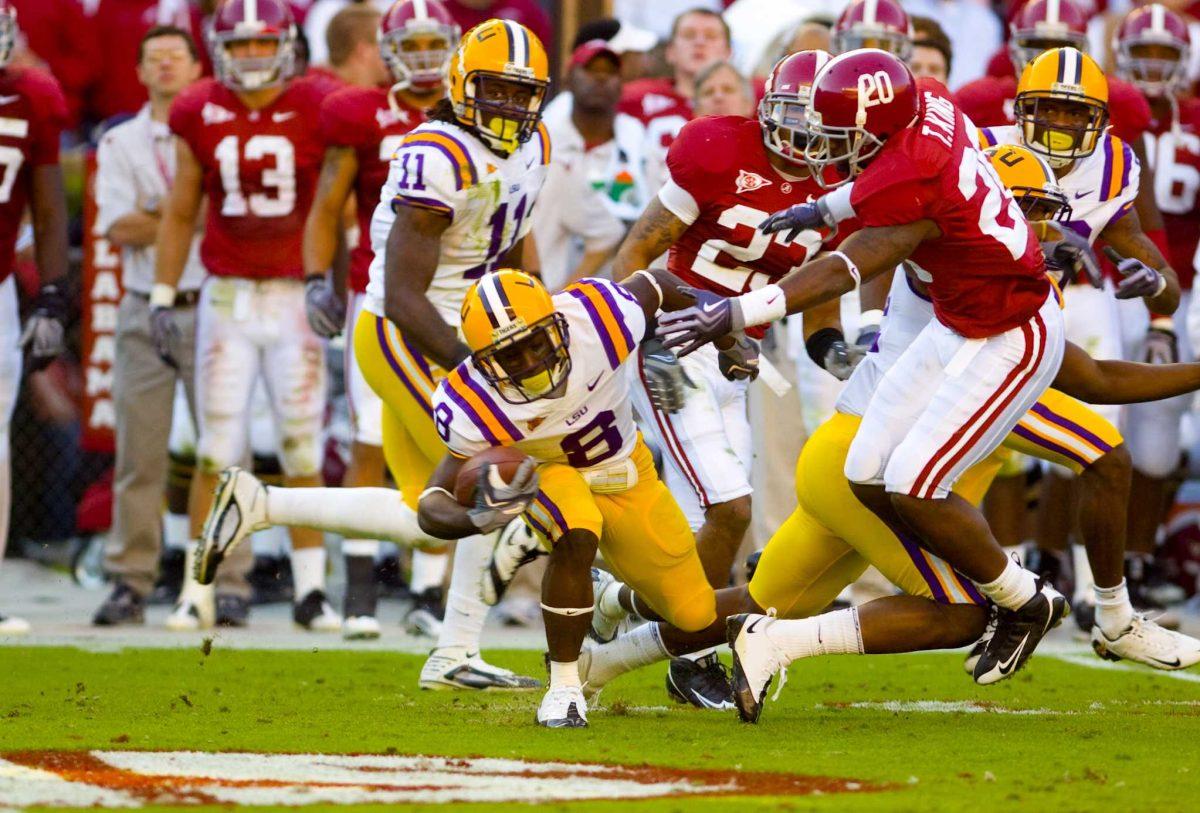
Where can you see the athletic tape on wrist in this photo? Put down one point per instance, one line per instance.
(761, 307)
(851, 268)
(567, 611)
(432, 490)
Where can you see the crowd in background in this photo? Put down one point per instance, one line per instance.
(626, 84)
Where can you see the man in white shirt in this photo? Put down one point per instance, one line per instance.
(135, 168)
(595, 180)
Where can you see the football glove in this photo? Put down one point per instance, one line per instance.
(841, 359)
(1161, 346)
(798, 218)
(325, 309)
(1137, 278)
(665, 377)
(497, 503)
(1072, 255)
(43, 338)
(164, 333)
(691, 328)
(739, 361)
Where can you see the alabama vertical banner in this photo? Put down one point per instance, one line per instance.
(100, 295)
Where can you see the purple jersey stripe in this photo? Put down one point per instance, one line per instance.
(399, 370)
(1128, 159)
(416, 141)
(913, 549)
(1106, 176)
(490, 403)
(610, 349)
(417, 355)
(549, 505)
(602, 287)
(537, 526)
(470, 164)
(1070, 426)
(1049, 445)
(469, 411)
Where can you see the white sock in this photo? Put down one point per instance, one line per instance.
(308, 571)
(564, 674)
(357, 513)
(465, 610)
(428, 570)
(1084, 580)
(1012, 588)
(639, 647)
(360, 547)
(609, 603)
(1113, 609)
(176, 530)
(835, 633)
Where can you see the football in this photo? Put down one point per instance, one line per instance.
(506, 459)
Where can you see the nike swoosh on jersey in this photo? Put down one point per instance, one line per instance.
(1083, 194)
(592, 386)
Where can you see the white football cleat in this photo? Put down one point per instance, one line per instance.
(1146, 642)
(455, 668)
(755, 662)
(516, 546)
(239, 509)
(361, 628)
(563, 707)
(192, 614)
(11, 625)
(604, 625)
(591, 687)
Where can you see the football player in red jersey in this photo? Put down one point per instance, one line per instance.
(248, 140)
(32, 115)
(1040, 26)
(362, 127)
(725, 174)
(1152, 47)
(912, 175)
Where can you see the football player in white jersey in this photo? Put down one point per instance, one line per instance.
(455, 205)
(548, 376)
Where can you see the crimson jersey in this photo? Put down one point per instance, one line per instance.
(1174, 155)
(985, 269)
(721, 184)
(33, 113)
(260, 171)
(371, 124)
(988, 102)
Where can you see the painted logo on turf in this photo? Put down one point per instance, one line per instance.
(137, 778)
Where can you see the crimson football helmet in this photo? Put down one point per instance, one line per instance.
(242, 21)
(785, 98)
(858, 101)
(1044, 24)
(1153, 47)
(8, 31)
(406, 32)
(879, 24)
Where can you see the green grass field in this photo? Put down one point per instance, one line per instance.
(1084, 738)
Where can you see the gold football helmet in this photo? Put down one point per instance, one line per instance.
(1031, 181)
(1062, 105)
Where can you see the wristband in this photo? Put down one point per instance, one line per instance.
(162, 295)
(819, 343)
(837, 203)
(435, 490)
(850, 267)
(653, 283)
(1164, 324)
(761, 307)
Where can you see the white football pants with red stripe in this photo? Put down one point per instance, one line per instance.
(949, 401)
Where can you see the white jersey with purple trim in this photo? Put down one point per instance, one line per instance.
(591, 426)
(446, 169)
(1101, 188)
(906, 314)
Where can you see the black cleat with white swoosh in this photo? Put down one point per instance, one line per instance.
(703, 682)
(1018, 632)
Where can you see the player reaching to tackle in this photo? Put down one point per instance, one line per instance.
(549, 376)
(924, 193)
(455, 206)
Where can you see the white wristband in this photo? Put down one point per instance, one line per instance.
(434, 490)
(649, 277)
(850, 267)
(762, 307)
(162, 295)
(838, 202)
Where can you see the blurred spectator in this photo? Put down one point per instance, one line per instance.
(637, 47)
(135, 165)
(592, 174)
(932, 54)
(470, 13)
(320, 15)
(973, 29)
(721, 90)
(807, 35)
(659, 16)
(118, 27)
(352, 44)
(755, 25)
(59, 35)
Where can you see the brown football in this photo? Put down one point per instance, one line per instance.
(506, 458)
